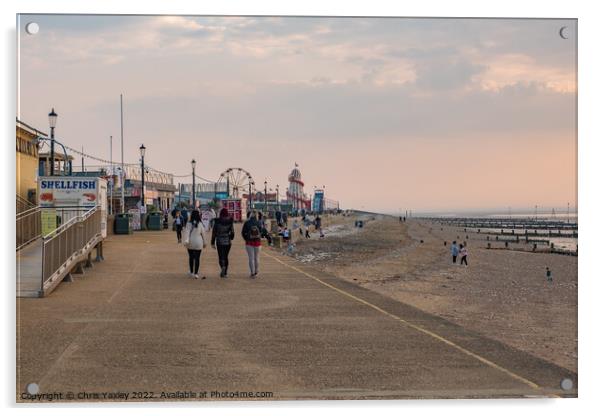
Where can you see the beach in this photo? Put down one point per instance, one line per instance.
(502, 294)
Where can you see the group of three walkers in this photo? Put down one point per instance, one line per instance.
(193, 235)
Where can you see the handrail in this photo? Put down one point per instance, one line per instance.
(28, 227)
(27, 212)
(68, 242)
(54, 233)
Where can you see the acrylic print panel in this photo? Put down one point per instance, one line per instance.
(274, 208)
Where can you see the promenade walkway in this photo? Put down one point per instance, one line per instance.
(137, 323)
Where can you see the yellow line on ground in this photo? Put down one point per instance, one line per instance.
(416, 327)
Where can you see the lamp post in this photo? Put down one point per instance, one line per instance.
(193, 164)
(52, 116)
(143, 202)
(265, 196)
(112, 183)
(278, 196)
(250, 194)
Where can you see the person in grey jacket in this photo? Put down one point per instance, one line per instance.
(195, 242)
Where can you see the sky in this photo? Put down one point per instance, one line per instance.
(389, 114)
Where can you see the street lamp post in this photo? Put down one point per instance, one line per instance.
(265, 196)
(278, 196)
(143, 202)
(112, 175)
(193, 164)
(250, 195)
(52, 116)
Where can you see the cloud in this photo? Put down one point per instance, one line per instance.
(289, 87)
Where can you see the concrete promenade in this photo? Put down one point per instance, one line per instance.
(136, 323)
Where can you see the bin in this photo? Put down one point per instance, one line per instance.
(122, 224)
(154, 221)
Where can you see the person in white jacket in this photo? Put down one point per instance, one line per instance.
(195, 242)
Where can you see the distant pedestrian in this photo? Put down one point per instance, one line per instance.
(463, 255)
(454, 252)
(184, 213)
(194, 241)
(549, 275)
(221, 237)
(251, 233)
(307, 232)
(263, 228)
(178, 224)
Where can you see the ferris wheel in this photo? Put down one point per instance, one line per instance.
(237, 181)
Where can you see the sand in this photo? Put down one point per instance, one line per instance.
(502, 294)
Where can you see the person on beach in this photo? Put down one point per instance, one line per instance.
(307, 232)
(549, 275)
(221, 237)
(179, 224)
(463, 255)
(454, 252)
(251, 233)
(194, 241)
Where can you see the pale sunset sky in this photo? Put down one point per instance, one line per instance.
(389, 113)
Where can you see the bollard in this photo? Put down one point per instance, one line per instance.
(488, 245)
(534, 247)
(506, 244)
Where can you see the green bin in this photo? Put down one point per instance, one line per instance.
(154, 221)
(122, 224)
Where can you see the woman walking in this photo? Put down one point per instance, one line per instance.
(251, 233)
(178, 222)
(194, 241)
(222, 236)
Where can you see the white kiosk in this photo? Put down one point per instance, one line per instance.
(65, 197)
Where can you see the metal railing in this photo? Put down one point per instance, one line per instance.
(23, 205)
(28, 226)
(68, 241)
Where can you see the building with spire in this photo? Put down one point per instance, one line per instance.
(295, 195)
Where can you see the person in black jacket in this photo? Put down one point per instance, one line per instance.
(222, 236)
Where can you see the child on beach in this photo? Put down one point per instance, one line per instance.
(549, 275)
(463, 255)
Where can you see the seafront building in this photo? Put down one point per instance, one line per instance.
(27, 161)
